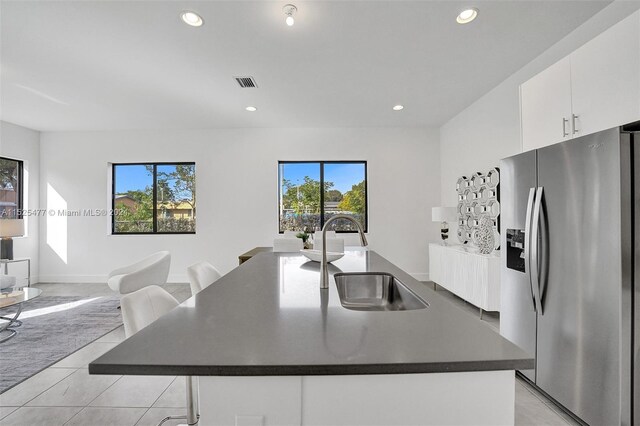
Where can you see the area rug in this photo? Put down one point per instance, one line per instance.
(54, 327)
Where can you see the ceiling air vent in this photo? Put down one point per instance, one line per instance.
(246, 82)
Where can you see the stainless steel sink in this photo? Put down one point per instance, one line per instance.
(375, 291)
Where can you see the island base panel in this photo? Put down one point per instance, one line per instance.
(467, 398)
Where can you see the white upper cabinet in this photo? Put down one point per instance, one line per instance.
(595, 88)
(545, 106)
(605, 78)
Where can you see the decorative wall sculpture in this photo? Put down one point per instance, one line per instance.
(478, 195)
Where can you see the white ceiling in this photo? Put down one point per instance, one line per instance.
(106, 65)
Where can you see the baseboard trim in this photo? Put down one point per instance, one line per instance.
(91, 279)
(420, 276)
(178, 279)
(173, 278)
(73, 279)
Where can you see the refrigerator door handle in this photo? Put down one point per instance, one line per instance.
(527, 244)
(535, 261)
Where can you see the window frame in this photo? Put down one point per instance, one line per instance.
(20, 200)
(322, 212)
(155, 197)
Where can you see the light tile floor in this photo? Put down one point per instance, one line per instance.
(532, 408)
(65, 394)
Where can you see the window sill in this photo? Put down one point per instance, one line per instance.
(137, 234)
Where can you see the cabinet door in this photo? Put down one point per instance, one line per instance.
(545, 107)
(250, 400)
(605, 78)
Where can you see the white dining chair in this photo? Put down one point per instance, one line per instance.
(141, 308)
(330, 234)
(152, 270)
(290, 234)
(287, 245)
(202, 275)
(334, 245)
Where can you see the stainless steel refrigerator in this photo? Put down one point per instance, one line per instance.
(570, 234)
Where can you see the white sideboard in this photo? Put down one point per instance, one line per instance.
(468, 274)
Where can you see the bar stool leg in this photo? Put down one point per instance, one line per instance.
(193, 404)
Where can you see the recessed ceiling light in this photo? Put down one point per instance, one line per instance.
(192, 18)
(467, 15)
(251, 108)
(289, 10)
(398, 108)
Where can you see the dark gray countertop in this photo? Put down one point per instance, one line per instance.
(269, 317)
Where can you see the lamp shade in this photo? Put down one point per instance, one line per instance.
(443, 214)
(11, 228)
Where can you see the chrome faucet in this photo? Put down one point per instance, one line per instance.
(324, 269)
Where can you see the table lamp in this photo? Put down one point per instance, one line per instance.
(9, 228)
(442, 215)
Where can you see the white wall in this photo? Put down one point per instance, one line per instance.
(237, 193)
(488, 130)
(24, 144)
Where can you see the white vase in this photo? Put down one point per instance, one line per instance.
(484, 237)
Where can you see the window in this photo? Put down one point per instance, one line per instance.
(310, 193)
(154, 198)
(11, 172)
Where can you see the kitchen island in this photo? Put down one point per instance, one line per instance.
(271, 348)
